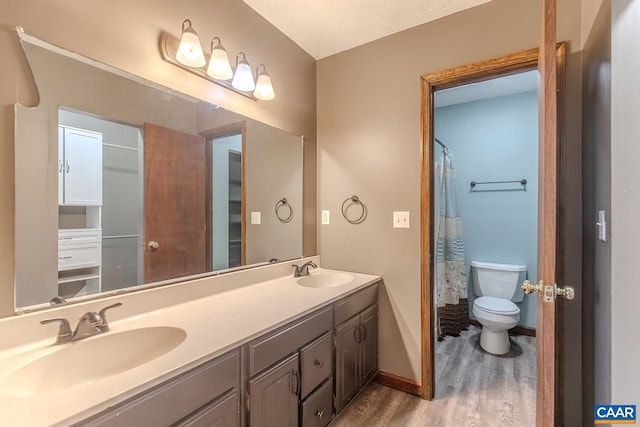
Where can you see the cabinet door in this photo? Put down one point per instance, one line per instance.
(82, 167)
(369, 344)
(61, 172)
(347, 361)
(274, 395)
(222, 413)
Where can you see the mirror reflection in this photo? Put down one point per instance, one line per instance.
(122, 183)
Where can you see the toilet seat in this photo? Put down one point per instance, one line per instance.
(496, 305)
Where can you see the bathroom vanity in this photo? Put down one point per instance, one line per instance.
(258, 353)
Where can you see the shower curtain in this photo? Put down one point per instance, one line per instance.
(450, 275)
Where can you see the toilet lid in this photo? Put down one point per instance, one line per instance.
(496, 305)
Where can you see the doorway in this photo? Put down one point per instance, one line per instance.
(485, 176)
(226, 218)
(477, 72)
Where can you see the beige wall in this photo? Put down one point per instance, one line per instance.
(126, 35)
(273, 169)
(369, 145)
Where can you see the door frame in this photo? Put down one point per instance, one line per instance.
(497, 67)
(231, 129)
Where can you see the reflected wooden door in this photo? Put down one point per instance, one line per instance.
(174, 204)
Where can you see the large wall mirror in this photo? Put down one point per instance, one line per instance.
(121, 183)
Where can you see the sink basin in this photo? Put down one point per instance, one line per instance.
(325, 280)
(91, 359)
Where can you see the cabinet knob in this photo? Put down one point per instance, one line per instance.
(318, 363)
(153, 245)
(319, 414)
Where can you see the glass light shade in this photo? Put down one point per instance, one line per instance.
(189, 51)
(264, 88)
(243, 78)
(219, 66)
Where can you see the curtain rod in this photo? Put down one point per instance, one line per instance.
(440, 142)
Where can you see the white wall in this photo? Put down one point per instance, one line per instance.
(625, 200)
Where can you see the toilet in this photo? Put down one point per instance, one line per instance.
(497, 286)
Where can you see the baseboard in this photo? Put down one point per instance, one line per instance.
(399, 383)
(518, 330)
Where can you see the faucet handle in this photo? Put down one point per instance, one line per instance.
(64, 333)
(104, 327)
(297, 272)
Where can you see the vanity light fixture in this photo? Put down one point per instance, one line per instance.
(243, 78)
(187, 54)
(189, 51)
(219, 66)
(264, 89)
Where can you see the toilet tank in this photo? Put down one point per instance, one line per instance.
(498, 280)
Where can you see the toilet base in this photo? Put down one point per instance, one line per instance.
(495, 342)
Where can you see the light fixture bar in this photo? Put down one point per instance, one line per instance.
(169, 48)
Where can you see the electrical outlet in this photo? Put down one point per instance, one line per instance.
(401, 219)
(326, 217)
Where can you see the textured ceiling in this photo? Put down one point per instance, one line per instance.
(326, 27)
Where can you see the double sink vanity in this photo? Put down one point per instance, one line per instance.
(257, 347)
(168, 326)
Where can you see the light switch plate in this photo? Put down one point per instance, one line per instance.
(326, 217)
(401, 219)
(255, 218)
(602, 226)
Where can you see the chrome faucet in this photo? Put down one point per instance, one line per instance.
(90, 324)
(304, 270)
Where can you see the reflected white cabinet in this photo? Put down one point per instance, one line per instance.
(79, 167)
(79, 262)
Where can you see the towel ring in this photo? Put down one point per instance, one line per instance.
(279, 204)
(345, 207)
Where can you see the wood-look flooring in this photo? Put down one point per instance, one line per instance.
(473, 388)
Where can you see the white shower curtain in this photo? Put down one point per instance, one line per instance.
(449, 270)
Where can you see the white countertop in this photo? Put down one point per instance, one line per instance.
(214, 325)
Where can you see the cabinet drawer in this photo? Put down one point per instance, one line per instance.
(354, 304)
(275, 346)
(317, 410)
(75, 236)
(79, 256)
(176, 398)
(315, 362)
